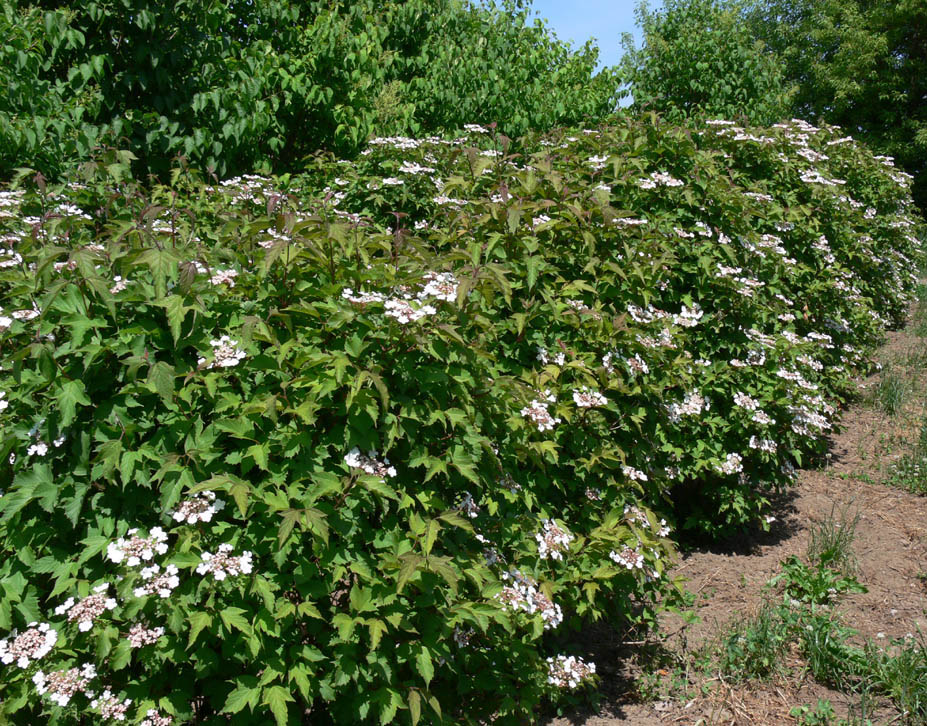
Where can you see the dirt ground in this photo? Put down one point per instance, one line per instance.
(728, 579)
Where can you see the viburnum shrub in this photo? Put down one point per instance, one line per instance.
(366, 444)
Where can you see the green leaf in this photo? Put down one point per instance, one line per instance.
(232, 617)
(424, 665)
(161, 381)
(198, 621)
(276, 697)
(70, 394)
(415, 706)
(176, 312)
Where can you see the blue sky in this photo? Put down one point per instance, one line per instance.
(579, 20)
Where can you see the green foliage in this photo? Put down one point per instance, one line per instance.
(445, 395)
(236, 86)
(822, 714)
(859, 64)
(698, 58)
(818, 585)
(754, 647)
(831, 539)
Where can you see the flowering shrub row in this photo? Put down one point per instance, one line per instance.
(365, 444)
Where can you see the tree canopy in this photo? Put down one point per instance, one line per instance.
(861, 64)
(699, 58)
(237, 85)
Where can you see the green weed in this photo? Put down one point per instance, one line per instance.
(911, 472)
(753, 648)
(833, 537)
(892, 391)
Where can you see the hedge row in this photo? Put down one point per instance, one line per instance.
(366, 444)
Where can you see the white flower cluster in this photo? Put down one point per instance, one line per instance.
(111, 707)
(405, 311)
(153, 718)
(198, 508)
(140, 636)
(633, 474)
(523, 594)
(658, 178)
(62, 685)
(9, 258)
(732, 464)
(224, 277)
(568, 671)
(767, 445)
(646, 315)
(553, 541)
(32, 644)
(587, 398)
(137, 549)
(689, 318)
(439, 285)
(630, 558)
(162, 583)
(742, 400)
(692, 405)
(362, 298)
(629, 221)
(813, 176)
(225, 354)
(88, 609)
(118, 285)
(468, 506)
(544, 357)
(222, 564)
(537, 412)
(636, 514)
(369, 463)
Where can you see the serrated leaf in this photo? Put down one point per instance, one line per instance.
(198, 621)
(69, 396)
(161, 381)
(424, 666)
(233, 619)
(276, 697)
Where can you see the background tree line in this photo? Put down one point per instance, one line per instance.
(237, 85)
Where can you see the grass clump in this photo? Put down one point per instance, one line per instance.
(910, 473)
(832, 538)
(892, 390)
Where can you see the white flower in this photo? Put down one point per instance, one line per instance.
(537, 413)
(633, 474)
(441, 286)
(225, 354)
(222, 564)
(224, 277)
(85, 611)
(587, 398)
(405, 312)
(62, 685)
(31, 645)
(118, 285)
(39, 448)
(732, 464)
(552, 541)
(369, 464)
(523, 594)
(631, 559)
(157, 582)
(137, 549)
(568, 671)
(199, 508)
